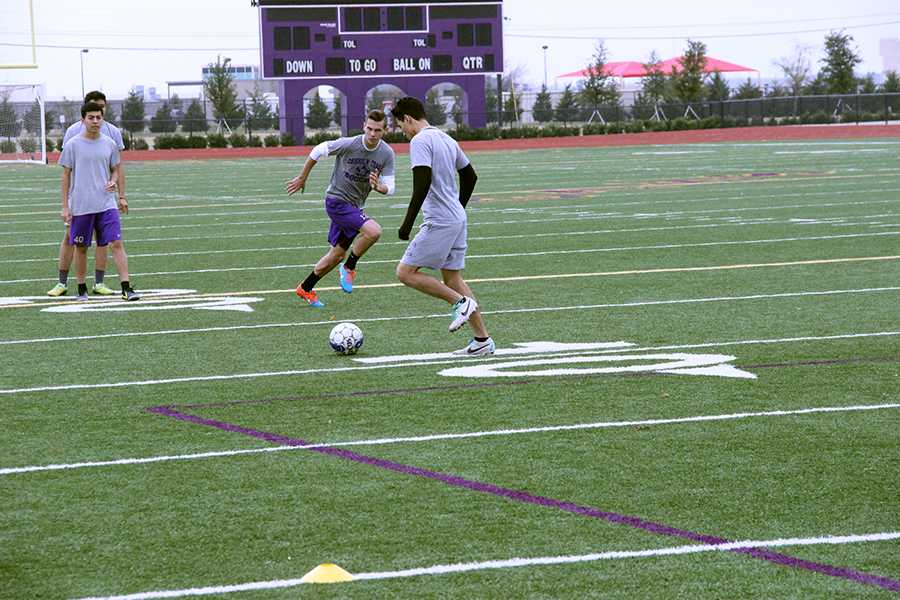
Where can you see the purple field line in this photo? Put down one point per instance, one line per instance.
(528, 498)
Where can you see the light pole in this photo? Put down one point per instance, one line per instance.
(544, 48)
(81, 57)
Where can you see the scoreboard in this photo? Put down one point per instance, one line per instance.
(318, 39)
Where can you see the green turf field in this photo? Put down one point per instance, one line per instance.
(697, 345)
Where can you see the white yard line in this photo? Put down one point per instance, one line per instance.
(413, 363)
(449, 436)
(513, 563)
(429, 316)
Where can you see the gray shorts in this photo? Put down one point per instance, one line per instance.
(438, 246)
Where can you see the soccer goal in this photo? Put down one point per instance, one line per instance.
(23, 123)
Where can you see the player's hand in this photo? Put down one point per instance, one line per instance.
(298, 183)
(66, 215)
(123, 205)
(373, 179)
(111, 185)
(404, 233)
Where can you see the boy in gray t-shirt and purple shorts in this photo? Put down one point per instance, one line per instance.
(90, 164)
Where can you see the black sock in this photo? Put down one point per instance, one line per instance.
(310, 282)
(350, 265)
(479, 339)
(98, 276)
(126, 285)
(82, 288)
(63, 276)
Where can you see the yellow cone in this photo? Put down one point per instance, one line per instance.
(327, 573)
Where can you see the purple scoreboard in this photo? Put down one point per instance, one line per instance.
(355, 45)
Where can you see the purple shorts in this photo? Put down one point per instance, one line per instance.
(106, 224)
(346, 221)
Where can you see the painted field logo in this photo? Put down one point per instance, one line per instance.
(556, 359)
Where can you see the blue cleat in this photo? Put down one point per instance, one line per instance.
(347, 278)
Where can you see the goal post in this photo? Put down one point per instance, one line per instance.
(23, 123)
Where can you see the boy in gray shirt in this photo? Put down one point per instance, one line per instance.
(363, 163)
(436, 160)
(66, 250)
(90, 164)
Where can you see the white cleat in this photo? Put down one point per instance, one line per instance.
(462, 310)
(476, 348)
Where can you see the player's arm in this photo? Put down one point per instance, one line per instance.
(65, 214)
(421, 185)
(383, 181)
(467, 179)
(298, 183)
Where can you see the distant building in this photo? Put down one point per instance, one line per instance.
(889, 48)
(238, 72)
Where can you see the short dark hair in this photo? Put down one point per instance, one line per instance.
(376, 115)
(94, 96)
(90, 107)
(408, 106)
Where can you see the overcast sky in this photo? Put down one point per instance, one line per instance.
(150, 42)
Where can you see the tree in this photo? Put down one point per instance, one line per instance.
(70, 111)
(716, 88)
(796, 69)
(219, 88)
(133, 112)
(816, 87)
(177, 108)
(194, 118)
(456, 111)
(867, 85)
(747, 91)
(891, 82)
(839, 62)
(567, 107)
(260, 114)
(491, 101)
(10, 126)
(32, 119)
(317, 115)
(110, 115)
(655, 85)
(162, 121)
(337, 113)
(688, 82)
(512, 106)
(542, 111)
(435, 113)
(599, 87)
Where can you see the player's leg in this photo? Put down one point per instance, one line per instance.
(101, 257)
(66, 252)
(481, 343)
(81, 231)
(109, 232)
(323, 267)
(369, 233)
(411, 276)
(80, 270)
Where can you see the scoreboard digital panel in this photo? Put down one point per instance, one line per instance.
(312, 39)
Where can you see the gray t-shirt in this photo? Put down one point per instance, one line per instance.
(90, 161)
(107, 129)
(352, 165)
(433, 148)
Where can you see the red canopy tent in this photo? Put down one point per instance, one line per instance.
(631, 68)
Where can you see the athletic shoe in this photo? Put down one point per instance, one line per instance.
(310, 297)
(477, 348)
(462, 310)
(58, 290)
(101, 289)
(82, 297)
(130, 295)
(347, 278)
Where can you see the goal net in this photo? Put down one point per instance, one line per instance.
(23, 123)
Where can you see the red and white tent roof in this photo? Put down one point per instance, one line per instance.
(631, 68)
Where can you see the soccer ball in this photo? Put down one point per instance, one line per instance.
(346, 338)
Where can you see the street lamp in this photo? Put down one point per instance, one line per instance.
(81, 57)
(544, 48)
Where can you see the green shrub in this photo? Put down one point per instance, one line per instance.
(255, 141)
(217, 140)
(287, 139)
(197, 141)
(272, 141)
(7, 147)
(237, 140)
(140, 144)
(59, 144)
(50, 145)
(28, 144)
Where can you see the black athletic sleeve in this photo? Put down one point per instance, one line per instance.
(421, 185)
(467, 179)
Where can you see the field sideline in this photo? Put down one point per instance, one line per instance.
(695, 391)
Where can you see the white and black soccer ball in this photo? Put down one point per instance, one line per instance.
(346, 338)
